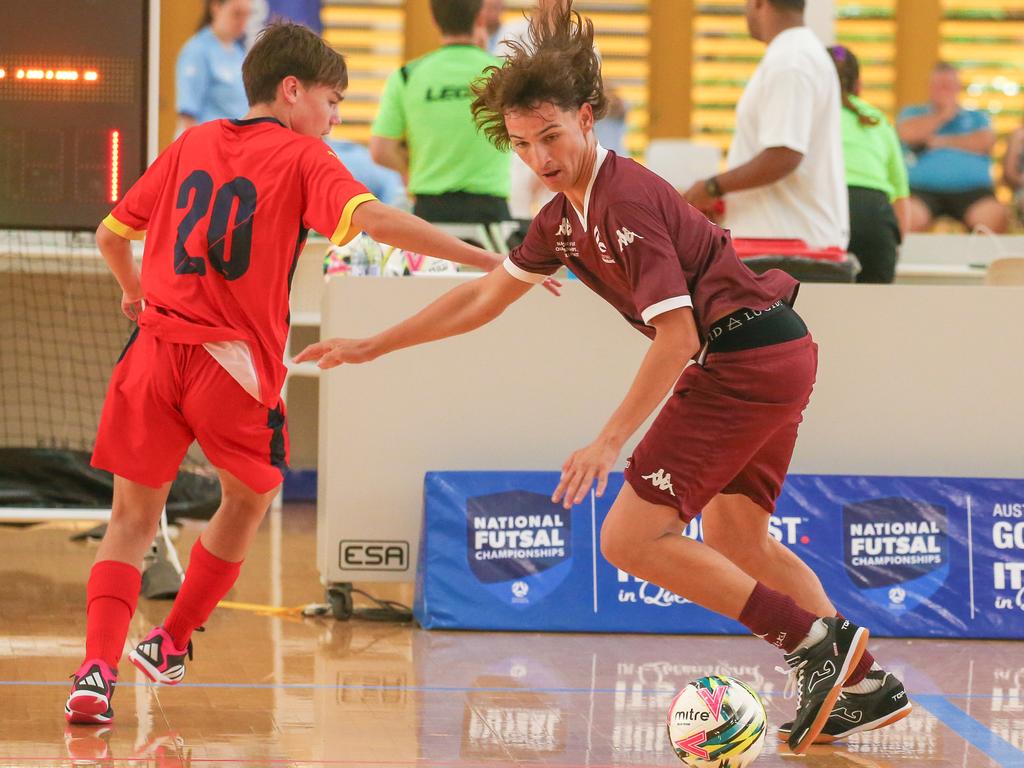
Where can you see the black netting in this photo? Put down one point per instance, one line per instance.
(62, 331)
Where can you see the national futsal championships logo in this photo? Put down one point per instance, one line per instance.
(896, 550)
(517, 541)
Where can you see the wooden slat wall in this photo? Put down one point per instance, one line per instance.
(725, 57)
(868, 28)
(985, 40)
(370, 33)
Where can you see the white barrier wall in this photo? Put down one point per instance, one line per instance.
(913, 380)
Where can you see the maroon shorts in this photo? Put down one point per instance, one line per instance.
(163, 395)
(729, 427)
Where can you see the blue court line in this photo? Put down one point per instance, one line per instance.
(448, 689)
(971, 730)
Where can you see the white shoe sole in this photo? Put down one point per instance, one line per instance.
(152, 673)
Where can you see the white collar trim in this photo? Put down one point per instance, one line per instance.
(602, 155)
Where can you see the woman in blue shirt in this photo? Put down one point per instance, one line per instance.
(208, 77)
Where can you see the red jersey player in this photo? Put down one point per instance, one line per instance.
(226, 210)
(722, 443)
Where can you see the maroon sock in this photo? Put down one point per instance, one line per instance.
(207, 580)
(863, 666)
(776, 618)
(111, 597)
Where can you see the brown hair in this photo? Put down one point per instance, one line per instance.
(290, 49)
(557, 64)
(207, 19)
(455, 17)
(848, 69)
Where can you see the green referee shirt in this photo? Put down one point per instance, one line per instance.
(872, 153)
(426, 103)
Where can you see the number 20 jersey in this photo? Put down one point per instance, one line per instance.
(225, 211)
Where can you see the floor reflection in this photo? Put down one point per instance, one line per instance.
(282, 690)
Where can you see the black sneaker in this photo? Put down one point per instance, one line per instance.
(859, 712)
(818, 674)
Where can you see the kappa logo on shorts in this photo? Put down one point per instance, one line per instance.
(564, 229)
(661, 480)
(626, 237)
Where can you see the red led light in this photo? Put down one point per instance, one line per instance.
(115, 165)
(63, 75)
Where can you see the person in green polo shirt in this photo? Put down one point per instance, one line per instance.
(425, 129)
(876, 177)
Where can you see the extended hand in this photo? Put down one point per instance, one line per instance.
(333, 352)
(581, 469)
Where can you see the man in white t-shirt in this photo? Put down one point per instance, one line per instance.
(786, 176)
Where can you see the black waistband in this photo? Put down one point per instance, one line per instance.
(752, 328)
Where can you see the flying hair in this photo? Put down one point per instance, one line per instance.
(557, 64)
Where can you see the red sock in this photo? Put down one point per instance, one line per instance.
(863, 666)
(111, 596)
(207, 580)
(776, 618)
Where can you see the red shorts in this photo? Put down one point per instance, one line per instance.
(729, 427)
(163, 395)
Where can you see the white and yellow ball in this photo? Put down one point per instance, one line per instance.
(717, 722)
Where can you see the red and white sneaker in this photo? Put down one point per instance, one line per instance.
(89, 700)
(158, 659)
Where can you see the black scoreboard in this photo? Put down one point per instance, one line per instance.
(73, 109)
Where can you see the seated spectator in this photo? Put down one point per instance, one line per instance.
(208, 75)
(949, 150)
(876, 177)
(385, 184)
(1013, 170)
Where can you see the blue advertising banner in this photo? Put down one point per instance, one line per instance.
(907, 556)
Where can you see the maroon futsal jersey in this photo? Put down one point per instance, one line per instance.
(225, 211)
(641, 247)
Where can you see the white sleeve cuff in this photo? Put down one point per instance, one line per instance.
(676, 302)
(521, 274)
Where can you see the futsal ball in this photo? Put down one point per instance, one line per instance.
(716, 722)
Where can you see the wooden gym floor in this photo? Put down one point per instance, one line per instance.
(286, 691)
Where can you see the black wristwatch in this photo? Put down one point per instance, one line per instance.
(712, 188)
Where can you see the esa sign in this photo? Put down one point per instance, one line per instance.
(373, 555)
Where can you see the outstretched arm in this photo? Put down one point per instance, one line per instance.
(403, 230)
(675, 343)
(462, 309)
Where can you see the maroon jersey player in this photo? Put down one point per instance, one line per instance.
(722, 443)
(225, 211)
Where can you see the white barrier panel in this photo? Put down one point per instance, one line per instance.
(913, 380)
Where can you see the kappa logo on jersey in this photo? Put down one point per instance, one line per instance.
(626, 237)
(602, 248)
(661, 480)
(564, 229)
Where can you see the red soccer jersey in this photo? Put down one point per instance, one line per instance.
(225, 211)
(643, 249)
